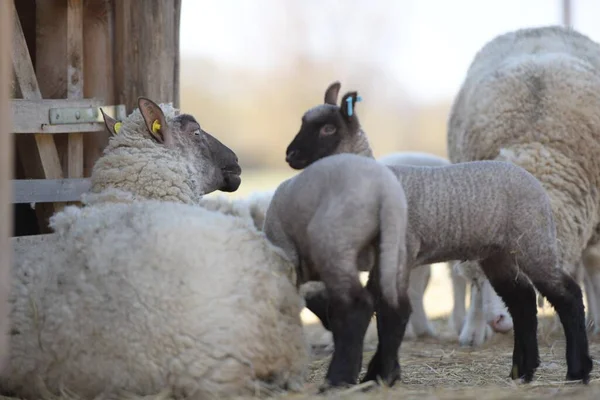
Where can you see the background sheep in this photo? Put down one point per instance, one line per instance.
(499, 214)
(124, 295)
(324, 132)
(531, 97)
(327, 220)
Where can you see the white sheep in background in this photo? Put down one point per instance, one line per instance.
(495, 213)
(341, 215)
(531, 97)
(312, 142)
(125, 294)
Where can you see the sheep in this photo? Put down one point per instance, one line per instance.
(531, 97)
(313, 140)
(159, 154)
(487, 310)
(313, 218)
(491, 212)
(125, 296)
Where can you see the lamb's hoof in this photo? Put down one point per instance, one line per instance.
(475, 336)
(328, 386)
(515, 373)
(387, 377)
(583, 374)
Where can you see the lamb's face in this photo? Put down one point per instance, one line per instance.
(217, 163)
(325, 130)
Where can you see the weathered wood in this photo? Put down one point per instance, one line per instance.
(51, 61)
(146, 51)
(75, 81)
(49, 190)
(33, 116)
(37, 152)
(98, 70)
(6, 167)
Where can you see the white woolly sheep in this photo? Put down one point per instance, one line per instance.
(317, 140)
(531, 97)
(313, 217)
(495, 213)
(127, 297)
(124, 295)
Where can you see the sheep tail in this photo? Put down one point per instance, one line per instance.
(392, 245)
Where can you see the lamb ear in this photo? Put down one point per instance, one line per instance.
(155, 120)
(331, 94)
(348, 104)
(109, 122)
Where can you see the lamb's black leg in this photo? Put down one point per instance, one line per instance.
(565, 296)
(349, 321)
(391, 324)
(520, 299)
(317, 301)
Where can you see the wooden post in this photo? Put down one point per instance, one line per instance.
(6, 170)
(147, 51)
(75, 81)
(97, 69)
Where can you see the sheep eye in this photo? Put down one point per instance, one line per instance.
(328, 129)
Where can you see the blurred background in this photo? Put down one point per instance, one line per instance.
(250, 69)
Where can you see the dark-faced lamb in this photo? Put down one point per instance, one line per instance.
(492, 212)
(329, 219)
(324, 131)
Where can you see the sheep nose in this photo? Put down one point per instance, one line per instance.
(290, 155)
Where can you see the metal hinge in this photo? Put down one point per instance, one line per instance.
(80, 115)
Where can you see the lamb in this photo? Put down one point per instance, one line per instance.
(487, 311)
(125, 296)
(491, 212)
(313, 218)
(310, 142)
(531, 97)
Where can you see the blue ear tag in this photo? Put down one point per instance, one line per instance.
(349, 101)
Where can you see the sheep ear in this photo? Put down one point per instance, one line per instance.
(155, 120)
(331, 94)
(348, 104)
(110, 123)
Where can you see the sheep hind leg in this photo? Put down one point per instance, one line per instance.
(391, 326)
(519, 297)
(565, 295)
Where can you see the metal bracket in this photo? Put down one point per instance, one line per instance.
(80, 115)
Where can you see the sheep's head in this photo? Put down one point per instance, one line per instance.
(326, 129)
(217, 163)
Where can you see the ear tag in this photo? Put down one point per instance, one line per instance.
(155, 126)
(117, 127)
(349, 101)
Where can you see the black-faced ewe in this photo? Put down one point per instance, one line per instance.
(329, 220)
(328, 129)
(492, 212)
(127, 295)
(532, 97)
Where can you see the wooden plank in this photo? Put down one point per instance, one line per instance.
(37, 152)
(49, 190)
(98, 70)
(33, 116)
(6, 168)
(146, 51)
(75, 81)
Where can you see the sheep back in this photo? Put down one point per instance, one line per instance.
(153, 295)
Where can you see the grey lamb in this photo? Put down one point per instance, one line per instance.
(492, 212)
(328, 220)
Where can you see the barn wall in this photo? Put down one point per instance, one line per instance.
(6, 168)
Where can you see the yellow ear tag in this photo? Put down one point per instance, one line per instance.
(117, 127)
(155, 126)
